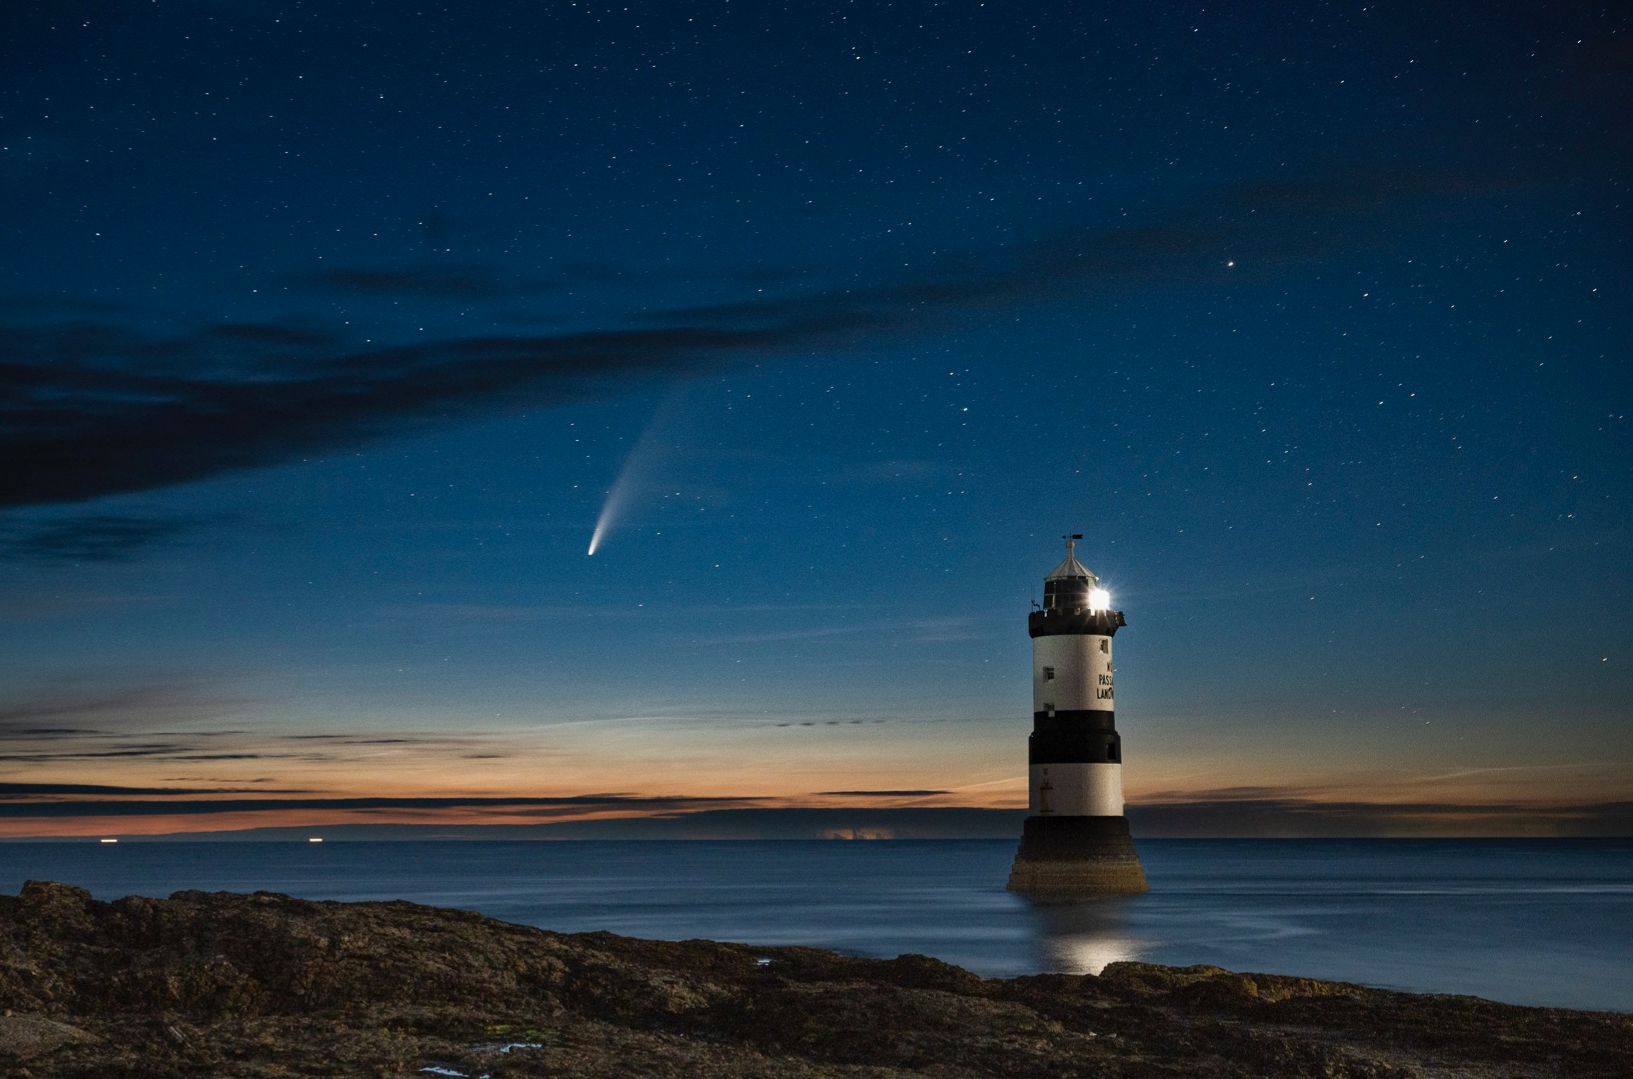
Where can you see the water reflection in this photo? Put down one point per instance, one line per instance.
(1082, 938)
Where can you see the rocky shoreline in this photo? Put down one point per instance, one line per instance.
(221, 984)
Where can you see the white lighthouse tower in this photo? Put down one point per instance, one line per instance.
(1076, 839)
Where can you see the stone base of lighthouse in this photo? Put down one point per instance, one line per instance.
(1076, 857)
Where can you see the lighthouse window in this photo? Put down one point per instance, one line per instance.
(1048, 674)
(1049, 710)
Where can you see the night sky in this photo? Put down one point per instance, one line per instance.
(332, 331)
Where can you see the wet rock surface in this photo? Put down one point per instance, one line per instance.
(217, 984)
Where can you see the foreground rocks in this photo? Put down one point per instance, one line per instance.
(264, 985)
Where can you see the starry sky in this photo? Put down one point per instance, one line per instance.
(331, 333)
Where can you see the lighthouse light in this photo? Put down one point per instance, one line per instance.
(1099, 599)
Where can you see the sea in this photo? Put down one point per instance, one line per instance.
(1543, 922)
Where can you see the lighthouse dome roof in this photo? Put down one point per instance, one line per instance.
(1071, 568)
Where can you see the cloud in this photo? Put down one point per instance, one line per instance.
(36, 306)
(467, 283)
(271, 334)
(182, 722)
(353, 740)
(48, 732)
(143, 749)
(646, 805)
(108, 713)
(188, 747)
(100, 537)
(1314, 818)
(1237, 229)
(36, 790)
(878, 794)
(457, 283)
(92, 418)
(164, 751)
(100, 409)
(833, 722)
(1228, 794)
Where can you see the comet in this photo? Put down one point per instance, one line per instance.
(634, 476)
(613, 507)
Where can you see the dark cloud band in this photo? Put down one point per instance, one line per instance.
(88, 410)
(137, 808)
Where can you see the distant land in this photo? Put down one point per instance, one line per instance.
(1247, 819)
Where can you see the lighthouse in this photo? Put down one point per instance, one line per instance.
(1076, 840)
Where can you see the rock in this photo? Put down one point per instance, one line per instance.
(24, 1037)
(54, 907)
(205, 984)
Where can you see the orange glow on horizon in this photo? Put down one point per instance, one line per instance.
(627, 770)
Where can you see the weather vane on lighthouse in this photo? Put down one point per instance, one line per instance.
(1076, 840)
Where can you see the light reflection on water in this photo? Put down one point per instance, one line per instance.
(1528, 921)
(1084, 938)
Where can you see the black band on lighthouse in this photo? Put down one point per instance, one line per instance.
(1071, 720)
(1055, 622)
(1074, 747)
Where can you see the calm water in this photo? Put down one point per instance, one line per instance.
(1532, 922)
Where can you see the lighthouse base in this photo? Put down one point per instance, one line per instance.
(1076, 857)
